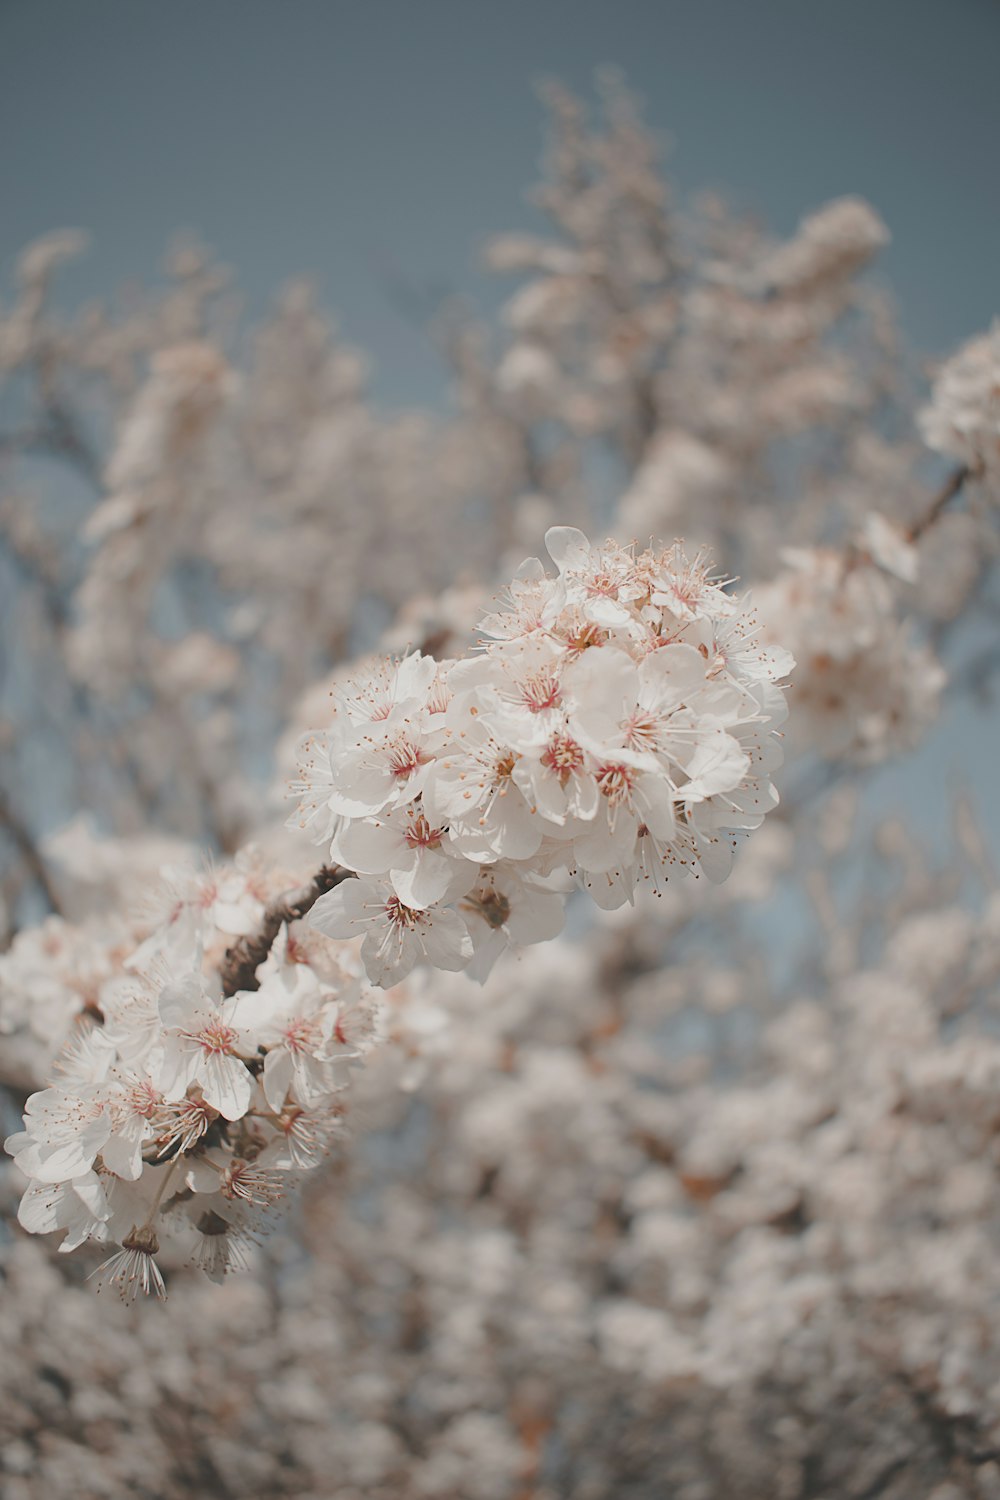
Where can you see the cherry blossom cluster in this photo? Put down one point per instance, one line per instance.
(867, 689)
(618, 725)
(963, 417)
(184, 1108)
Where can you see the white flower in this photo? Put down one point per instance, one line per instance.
(65, 1131)
(297, 1020)
(79, 1207)
(396, 936)
(200, 1046)
(422, 863)
(600, 581)
(471, 788)
(503, 908)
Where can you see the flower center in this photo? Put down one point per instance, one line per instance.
(404, 757)
(563, 756)
(615, 783)
(580, 637)
(300, 1035)
(641, 731)
(142, 1099)
(420, 834)
(402, 916)
(602, 585)
(540, 690)
(504, 765)
(490, 904)
(216, 1039)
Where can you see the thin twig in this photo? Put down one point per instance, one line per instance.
(951, 487)
(239, 967)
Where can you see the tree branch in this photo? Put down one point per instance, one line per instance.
(951, 487)
(239, 967)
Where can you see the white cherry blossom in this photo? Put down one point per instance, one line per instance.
(396, 936)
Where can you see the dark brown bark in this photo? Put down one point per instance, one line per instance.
(239, 967)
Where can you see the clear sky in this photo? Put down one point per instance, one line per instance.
(346, 139)
(352, 139)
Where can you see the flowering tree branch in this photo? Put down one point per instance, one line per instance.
(239, 967)
(946, 494)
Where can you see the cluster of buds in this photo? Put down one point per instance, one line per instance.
(618, 724)
(185, 1106)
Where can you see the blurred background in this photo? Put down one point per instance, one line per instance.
(313, 317)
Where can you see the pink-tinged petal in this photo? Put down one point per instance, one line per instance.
(567, 547)
(414, 676)
(122, 1155)
(38, 1211)
(607, 612)
(388, 955)
(536, 919)
(226, 1085)
(446, 942)
(490, 943)
(363, 792)
(178, 1068)
(433, 877)
(338, 912)
(542, 789)
(79, 1208)
(72, 1159)
(600, 848)
(672, 674)
(610, 889)
(654, 801)
(279, 1070)
(718, 765)
(201, 1176)
(367, 846)
(716, 858)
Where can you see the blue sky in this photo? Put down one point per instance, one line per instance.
(348, 139)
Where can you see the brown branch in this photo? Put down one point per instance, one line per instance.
(945, 495)
(239, 967)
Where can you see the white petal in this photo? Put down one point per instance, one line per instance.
(567, 547)
(278, 1073)
(446, 941)
(226, 1085)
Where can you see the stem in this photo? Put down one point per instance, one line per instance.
(951, 487)
(159, 1194)
(239, 967)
